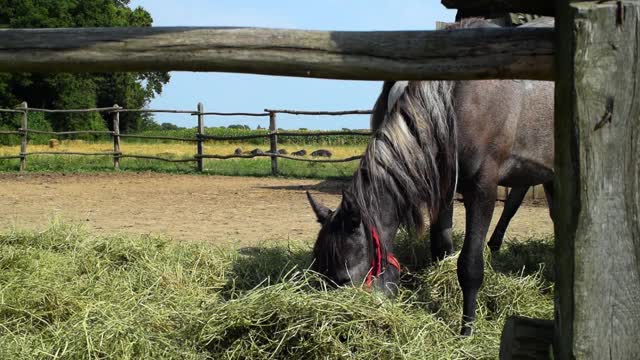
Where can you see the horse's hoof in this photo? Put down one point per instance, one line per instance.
(466, 331)
(494, 247)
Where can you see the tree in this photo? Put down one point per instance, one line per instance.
(60, 91)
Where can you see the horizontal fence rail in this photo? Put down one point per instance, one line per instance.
(465, 54)
(331, 113)
(250, 156)
(199, 138)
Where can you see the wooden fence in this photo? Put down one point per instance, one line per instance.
(592, 55)
(536, 192)
(200, 137)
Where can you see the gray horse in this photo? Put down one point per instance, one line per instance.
(432, 139)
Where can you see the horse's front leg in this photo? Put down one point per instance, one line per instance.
(440, 234)
(479, 203)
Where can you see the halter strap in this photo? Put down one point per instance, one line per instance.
(376, 262)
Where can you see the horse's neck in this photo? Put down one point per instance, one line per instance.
(386, 219)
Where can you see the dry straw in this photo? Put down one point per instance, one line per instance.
(65, 293)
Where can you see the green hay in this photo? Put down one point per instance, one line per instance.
(67, 294)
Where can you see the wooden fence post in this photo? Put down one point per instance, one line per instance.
(597, 188)
(199, 137)
(116, 138)
(273, 130)
(25, 136)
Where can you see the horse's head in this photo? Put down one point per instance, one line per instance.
(347, 252)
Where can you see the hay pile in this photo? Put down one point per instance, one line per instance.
(67, 294)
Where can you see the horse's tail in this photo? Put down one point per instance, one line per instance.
(413, 153)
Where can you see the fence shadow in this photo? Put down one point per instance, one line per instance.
(333, 187)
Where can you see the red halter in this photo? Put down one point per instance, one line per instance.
(376, 262)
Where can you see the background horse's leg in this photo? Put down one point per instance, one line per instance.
(511, 205)
(440, 234)
(479, 202)
(548, 191)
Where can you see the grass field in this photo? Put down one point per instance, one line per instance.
(177, 150)
(65, 293)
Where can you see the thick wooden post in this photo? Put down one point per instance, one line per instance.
(116, 139)
(273, 130)
(25, 136)
(597, 222)
(199, 137)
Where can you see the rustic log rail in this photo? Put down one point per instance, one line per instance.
(269, 154)
(349, 55)
(331, 113)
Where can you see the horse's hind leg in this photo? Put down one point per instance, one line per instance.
(479, 202)
(548, 191)
(440, 234)
(511, 205)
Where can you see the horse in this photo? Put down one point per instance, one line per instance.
(430, 140)
(322, 153)
(511, 205)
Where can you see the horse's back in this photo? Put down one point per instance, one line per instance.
(531, 158)
(506, 125)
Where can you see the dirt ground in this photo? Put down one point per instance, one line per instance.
(237, 211)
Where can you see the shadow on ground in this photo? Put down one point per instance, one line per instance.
(261, 266)
(333, 187)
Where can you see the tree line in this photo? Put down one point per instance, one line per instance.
(85, 90)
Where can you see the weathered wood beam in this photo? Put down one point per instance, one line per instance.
(597, 192)
(526, 338)
(409, 55)
(539, 7)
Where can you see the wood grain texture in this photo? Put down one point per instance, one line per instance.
(273, 143)
(116, 138)
(539, 7)
(526, 338)
(25, 138)
(200, 141)
(224, 157)
(331, 113)
(409, 55)
(598, 183)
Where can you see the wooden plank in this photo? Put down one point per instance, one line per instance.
(538, 7)
(224, 157)
(116, 139)
(330, 113)
(200, 141)
(273, 141)
(25, 137)
(597, 210)
(382, 55)
(95, 132)
(526, 338)
(176, 138)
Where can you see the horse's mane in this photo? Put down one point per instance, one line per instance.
(412, 155)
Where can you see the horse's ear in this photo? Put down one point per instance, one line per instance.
(350, 209)
(322, 212)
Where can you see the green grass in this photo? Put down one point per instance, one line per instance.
(65, 293)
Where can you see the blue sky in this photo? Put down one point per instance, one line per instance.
(252, 93)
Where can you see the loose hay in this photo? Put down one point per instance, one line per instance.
(67, 294)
